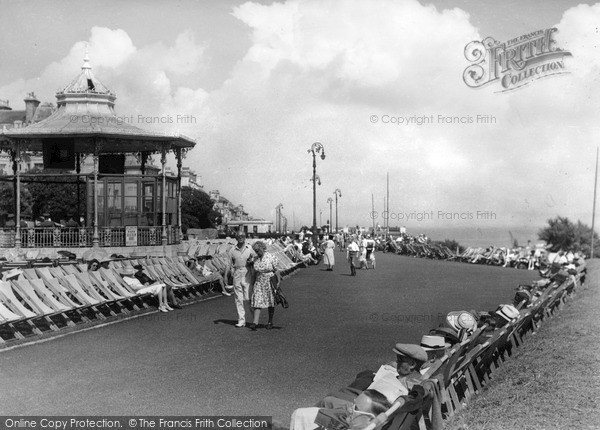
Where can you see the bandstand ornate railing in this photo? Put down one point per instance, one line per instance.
(82, 237)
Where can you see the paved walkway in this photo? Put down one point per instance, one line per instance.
(195, 362)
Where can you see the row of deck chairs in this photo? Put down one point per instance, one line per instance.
(49, 299)
(421, 250)
(466, 368)
(220, 261)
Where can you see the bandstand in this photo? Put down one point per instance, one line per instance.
(130, 203)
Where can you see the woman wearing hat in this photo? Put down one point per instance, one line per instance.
(265, 268)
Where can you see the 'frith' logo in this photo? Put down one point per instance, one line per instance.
(515, 63)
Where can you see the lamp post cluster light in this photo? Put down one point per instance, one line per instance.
(336, 193)
(315, 149)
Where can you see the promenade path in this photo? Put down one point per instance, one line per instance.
(195, 362)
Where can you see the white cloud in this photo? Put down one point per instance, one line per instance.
(318, 70)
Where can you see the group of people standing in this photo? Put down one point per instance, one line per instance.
(255, 276)
(360, 248)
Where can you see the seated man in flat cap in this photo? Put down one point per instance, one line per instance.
(389, 382)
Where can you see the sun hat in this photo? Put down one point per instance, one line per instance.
(508, 312)
(126, 272)
(433, 342)
(449, 334)
(462, 320)
(416, 352)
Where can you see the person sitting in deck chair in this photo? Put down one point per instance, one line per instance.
(158, 289)
(392, 383)
(199, 267)
(365, 407)
(171, 302)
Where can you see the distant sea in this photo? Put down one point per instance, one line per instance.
(482, 237)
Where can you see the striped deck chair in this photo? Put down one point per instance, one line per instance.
(114, 300)
(48, 297)
(173, 274)
(10, 301)
(71, 283)
(61, 293)
(118, 284)
(115, 290)
(72, 269)
(8, 319)
(30, 274)
(197, 280)
(183, 290)
(28, 293)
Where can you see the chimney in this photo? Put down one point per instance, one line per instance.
(31, 104)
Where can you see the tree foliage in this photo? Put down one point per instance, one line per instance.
(197, 210)
(7, 201)
(57, 199)
(563, 234)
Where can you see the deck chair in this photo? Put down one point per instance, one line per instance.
(28, 293)
(127, 297)
(164, 272)
(116, 282)
(185, 290)
(8, 298)
(71, 283)
(113, 300)
(8, 319)
(394, 419)
(72, 269)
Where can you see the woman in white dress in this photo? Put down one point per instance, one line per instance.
(329, 258)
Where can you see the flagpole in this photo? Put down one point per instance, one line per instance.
(594, 206)
(387, 222)
(373, 211)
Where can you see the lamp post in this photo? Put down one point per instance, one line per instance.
(279, 217)
(336, 193)
(315, 148)
(330, 201)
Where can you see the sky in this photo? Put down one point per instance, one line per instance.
(257, 83)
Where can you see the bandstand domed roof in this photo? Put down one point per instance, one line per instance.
(86, 114)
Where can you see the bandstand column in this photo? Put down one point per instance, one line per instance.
(96, 237)
(17, 163)
(179, 233)
(163, 161)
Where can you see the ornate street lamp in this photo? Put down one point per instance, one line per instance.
(278, 209)
(315, 148)
(336, 193)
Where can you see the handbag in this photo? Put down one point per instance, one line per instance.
(278, 294)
